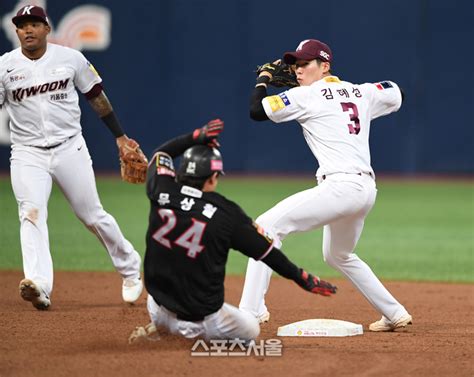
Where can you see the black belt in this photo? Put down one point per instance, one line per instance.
(52, 146)
(190, 318)
(325, 176)
(184, 317)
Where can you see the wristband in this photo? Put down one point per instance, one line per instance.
(263, 79)
(196, 133)
(113, 124)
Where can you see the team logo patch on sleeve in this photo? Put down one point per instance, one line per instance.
(262, 232)
(92, 68)
(278, 102)
(383, 85)
(164, 165)
(284, 98)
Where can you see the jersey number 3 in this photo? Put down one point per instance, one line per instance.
(353, 115)
(190, 239)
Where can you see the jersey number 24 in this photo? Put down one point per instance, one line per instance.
(190, 239)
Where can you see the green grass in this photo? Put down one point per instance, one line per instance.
(416, 231)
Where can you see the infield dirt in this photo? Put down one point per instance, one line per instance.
(85, 333)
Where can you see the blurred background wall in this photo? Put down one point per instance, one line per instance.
(171, 65)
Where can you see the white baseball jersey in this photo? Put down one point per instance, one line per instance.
(335, 116)
(40, 95)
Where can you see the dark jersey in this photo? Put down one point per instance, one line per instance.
(189, 236)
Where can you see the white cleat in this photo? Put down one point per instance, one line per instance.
(385, 325)
(132, 288)
(263, 318)
(29, 291)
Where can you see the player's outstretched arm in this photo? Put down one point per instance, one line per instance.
(103, 108)
(206, 135)
(311, 283)
(252, 240)
(133, 162)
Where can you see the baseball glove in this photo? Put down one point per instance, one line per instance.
(133, 163)
(282, 74)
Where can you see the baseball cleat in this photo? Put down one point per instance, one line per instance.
(263, 318)
(132, 288)
(29, 291)
(385, 325)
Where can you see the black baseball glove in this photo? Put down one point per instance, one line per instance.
(282, 74)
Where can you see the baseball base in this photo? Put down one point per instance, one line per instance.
(320, 327)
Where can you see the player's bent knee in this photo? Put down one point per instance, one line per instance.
(330, 258)
(30, 214)
(265, 221)
(335, 260)
(93, 221)
(267, 226)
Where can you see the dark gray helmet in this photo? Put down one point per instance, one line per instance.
(200, 161)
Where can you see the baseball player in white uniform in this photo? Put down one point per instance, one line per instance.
(335, 118)
(38, 84)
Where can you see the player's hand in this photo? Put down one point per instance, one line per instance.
(121, 141)
(280, 74)
(315, 285)
(268, 69)
(133, 163)
(209, 133)
(126, 145)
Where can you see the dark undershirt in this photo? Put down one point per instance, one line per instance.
(257, 112)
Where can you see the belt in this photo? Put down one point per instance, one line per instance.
(190, 318)
(52, 146)
(326, 175)
(183, 317)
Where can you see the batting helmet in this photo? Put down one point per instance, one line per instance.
(200, 161)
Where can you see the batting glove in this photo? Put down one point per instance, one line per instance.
(315, 285)
(209, 133)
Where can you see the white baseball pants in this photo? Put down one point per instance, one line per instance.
(69, 165)
(227, 323)
(340, 203)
